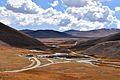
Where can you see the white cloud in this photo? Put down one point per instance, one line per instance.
(64, 28)
(55, 3)
(5, 21)
(6, 16)
(23, 6)
(91, 15)
(81, 3)
(117, 9)
(74, 3)
(117, 23)
(88, 15)
(84, 25)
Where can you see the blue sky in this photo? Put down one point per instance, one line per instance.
(112, 4)
(65, 22)
(42, 3)
(45, 4)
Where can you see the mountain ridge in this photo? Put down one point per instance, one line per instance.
(47, 34)
(86, 44)
(93, 33)
(16, 38)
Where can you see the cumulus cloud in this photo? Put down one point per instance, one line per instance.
(81, 3)
(88, 15)
(92, 13)
(26, 12)
(49, 16)
(23, 6)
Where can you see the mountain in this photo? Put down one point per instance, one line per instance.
(16, 38)
(4, 44)
(93, 33)
(47, 34)
(110, 49)
(87, 44)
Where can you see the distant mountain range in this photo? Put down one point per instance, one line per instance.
(93, 33)
(102, 42)
(89, 43)
(70, 33)
(12, 37)
(47, 34)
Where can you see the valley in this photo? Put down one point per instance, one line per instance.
(23, 57)
(59, 39)
(60, 67)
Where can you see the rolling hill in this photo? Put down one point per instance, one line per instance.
(47, 34)
(87, 44)
(110, 49)
(93, 33)
(16, 38)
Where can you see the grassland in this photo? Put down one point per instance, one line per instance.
(68, 71)
(9, 59)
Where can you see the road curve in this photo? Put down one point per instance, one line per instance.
(52, 63)
(38, 63)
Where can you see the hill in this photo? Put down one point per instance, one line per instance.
(110, 49)
(47, 34)
(93, 33)
(16, 38)
(3, 44)
(86, 44)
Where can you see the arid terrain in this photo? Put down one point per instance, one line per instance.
(28, 58)
(59, 39)
(55, 69)
(10, 59)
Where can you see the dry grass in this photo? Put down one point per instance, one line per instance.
(54, 41)
(69, 71)
(81, 71)
(35, 75)
(9, 59)
(66, 71)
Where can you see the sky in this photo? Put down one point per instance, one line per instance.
(60, 15)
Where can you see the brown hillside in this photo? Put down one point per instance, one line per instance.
(93, 33)
(110, 49)
(18, 39)
(87, 44)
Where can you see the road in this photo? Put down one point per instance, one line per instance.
(35, 60)
(37, 63)
(52, 63)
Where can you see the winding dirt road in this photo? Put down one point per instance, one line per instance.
(35, 60)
